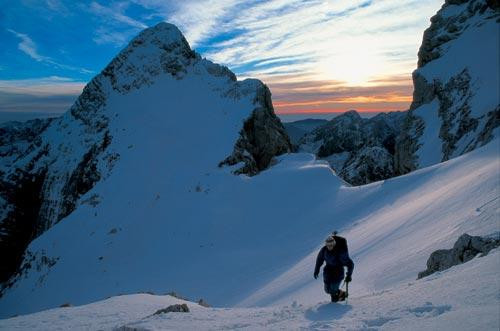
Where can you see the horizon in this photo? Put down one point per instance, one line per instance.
(316, 57)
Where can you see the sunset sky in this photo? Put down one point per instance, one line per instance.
(316, 56)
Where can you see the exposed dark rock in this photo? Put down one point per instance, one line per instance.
(369, 165)
(83, 178)
(261, 138)
(19, 226)
(203, 303)
(464, 250)
(182, 308)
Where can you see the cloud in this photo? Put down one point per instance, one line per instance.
(48, 94)
(44, 86)
(58, 7)
(115, 28)
(116, 14)
(198, 20)
(356, 41)
(297, 96)
(28, 47)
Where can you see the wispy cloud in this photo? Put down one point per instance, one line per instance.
(116, 14)
(58, 6)
(115, 26)
(28, 47)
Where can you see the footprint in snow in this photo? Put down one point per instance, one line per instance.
(379, 321)
(328, 311)
(429, 309)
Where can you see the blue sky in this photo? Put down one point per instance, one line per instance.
(315, 55)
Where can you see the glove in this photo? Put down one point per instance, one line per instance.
(348, 279)
(315, 275)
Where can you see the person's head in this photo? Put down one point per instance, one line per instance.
(330, 242)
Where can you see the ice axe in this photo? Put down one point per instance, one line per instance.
(346, 291)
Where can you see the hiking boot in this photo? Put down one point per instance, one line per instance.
(335, 296)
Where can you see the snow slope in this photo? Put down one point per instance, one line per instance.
(392, 227)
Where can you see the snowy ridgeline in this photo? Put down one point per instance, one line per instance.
(395, 226)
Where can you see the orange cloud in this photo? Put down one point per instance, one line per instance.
(382, 94)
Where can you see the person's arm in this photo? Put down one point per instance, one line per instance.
(347, 262)
(319, 261)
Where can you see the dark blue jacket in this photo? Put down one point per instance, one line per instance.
(335, 260)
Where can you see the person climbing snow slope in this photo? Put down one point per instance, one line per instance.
(336, 256)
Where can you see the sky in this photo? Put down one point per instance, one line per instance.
(317, 57)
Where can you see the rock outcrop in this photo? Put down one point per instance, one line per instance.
(261, 138)
(360, 150)
(465, 249)
(455, 106)
(178, 308)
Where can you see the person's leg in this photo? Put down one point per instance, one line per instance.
(327, 287)
(334, 290)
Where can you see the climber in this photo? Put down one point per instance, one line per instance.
(336, 256)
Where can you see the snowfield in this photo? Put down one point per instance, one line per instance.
(392, 227)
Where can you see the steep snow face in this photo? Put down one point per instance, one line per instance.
(360, 150)
(456, 104)
(393, 226)
(129, 129)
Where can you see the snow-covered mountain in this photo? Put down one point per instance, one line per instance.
(456, 102)
(360, 150)
(125, 139)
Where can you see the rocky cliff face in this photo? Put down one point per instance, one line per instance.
(52, 164)
(19, 194)
(359, 149)
(455, 104)
(261, 138)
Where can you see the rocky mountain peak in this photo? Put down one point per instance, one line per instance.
(156, 50)
(351, 114)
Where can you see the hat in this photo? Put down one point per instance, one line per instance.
(330, 239)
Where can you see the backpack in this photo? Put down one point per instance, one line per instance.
(341, 244)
